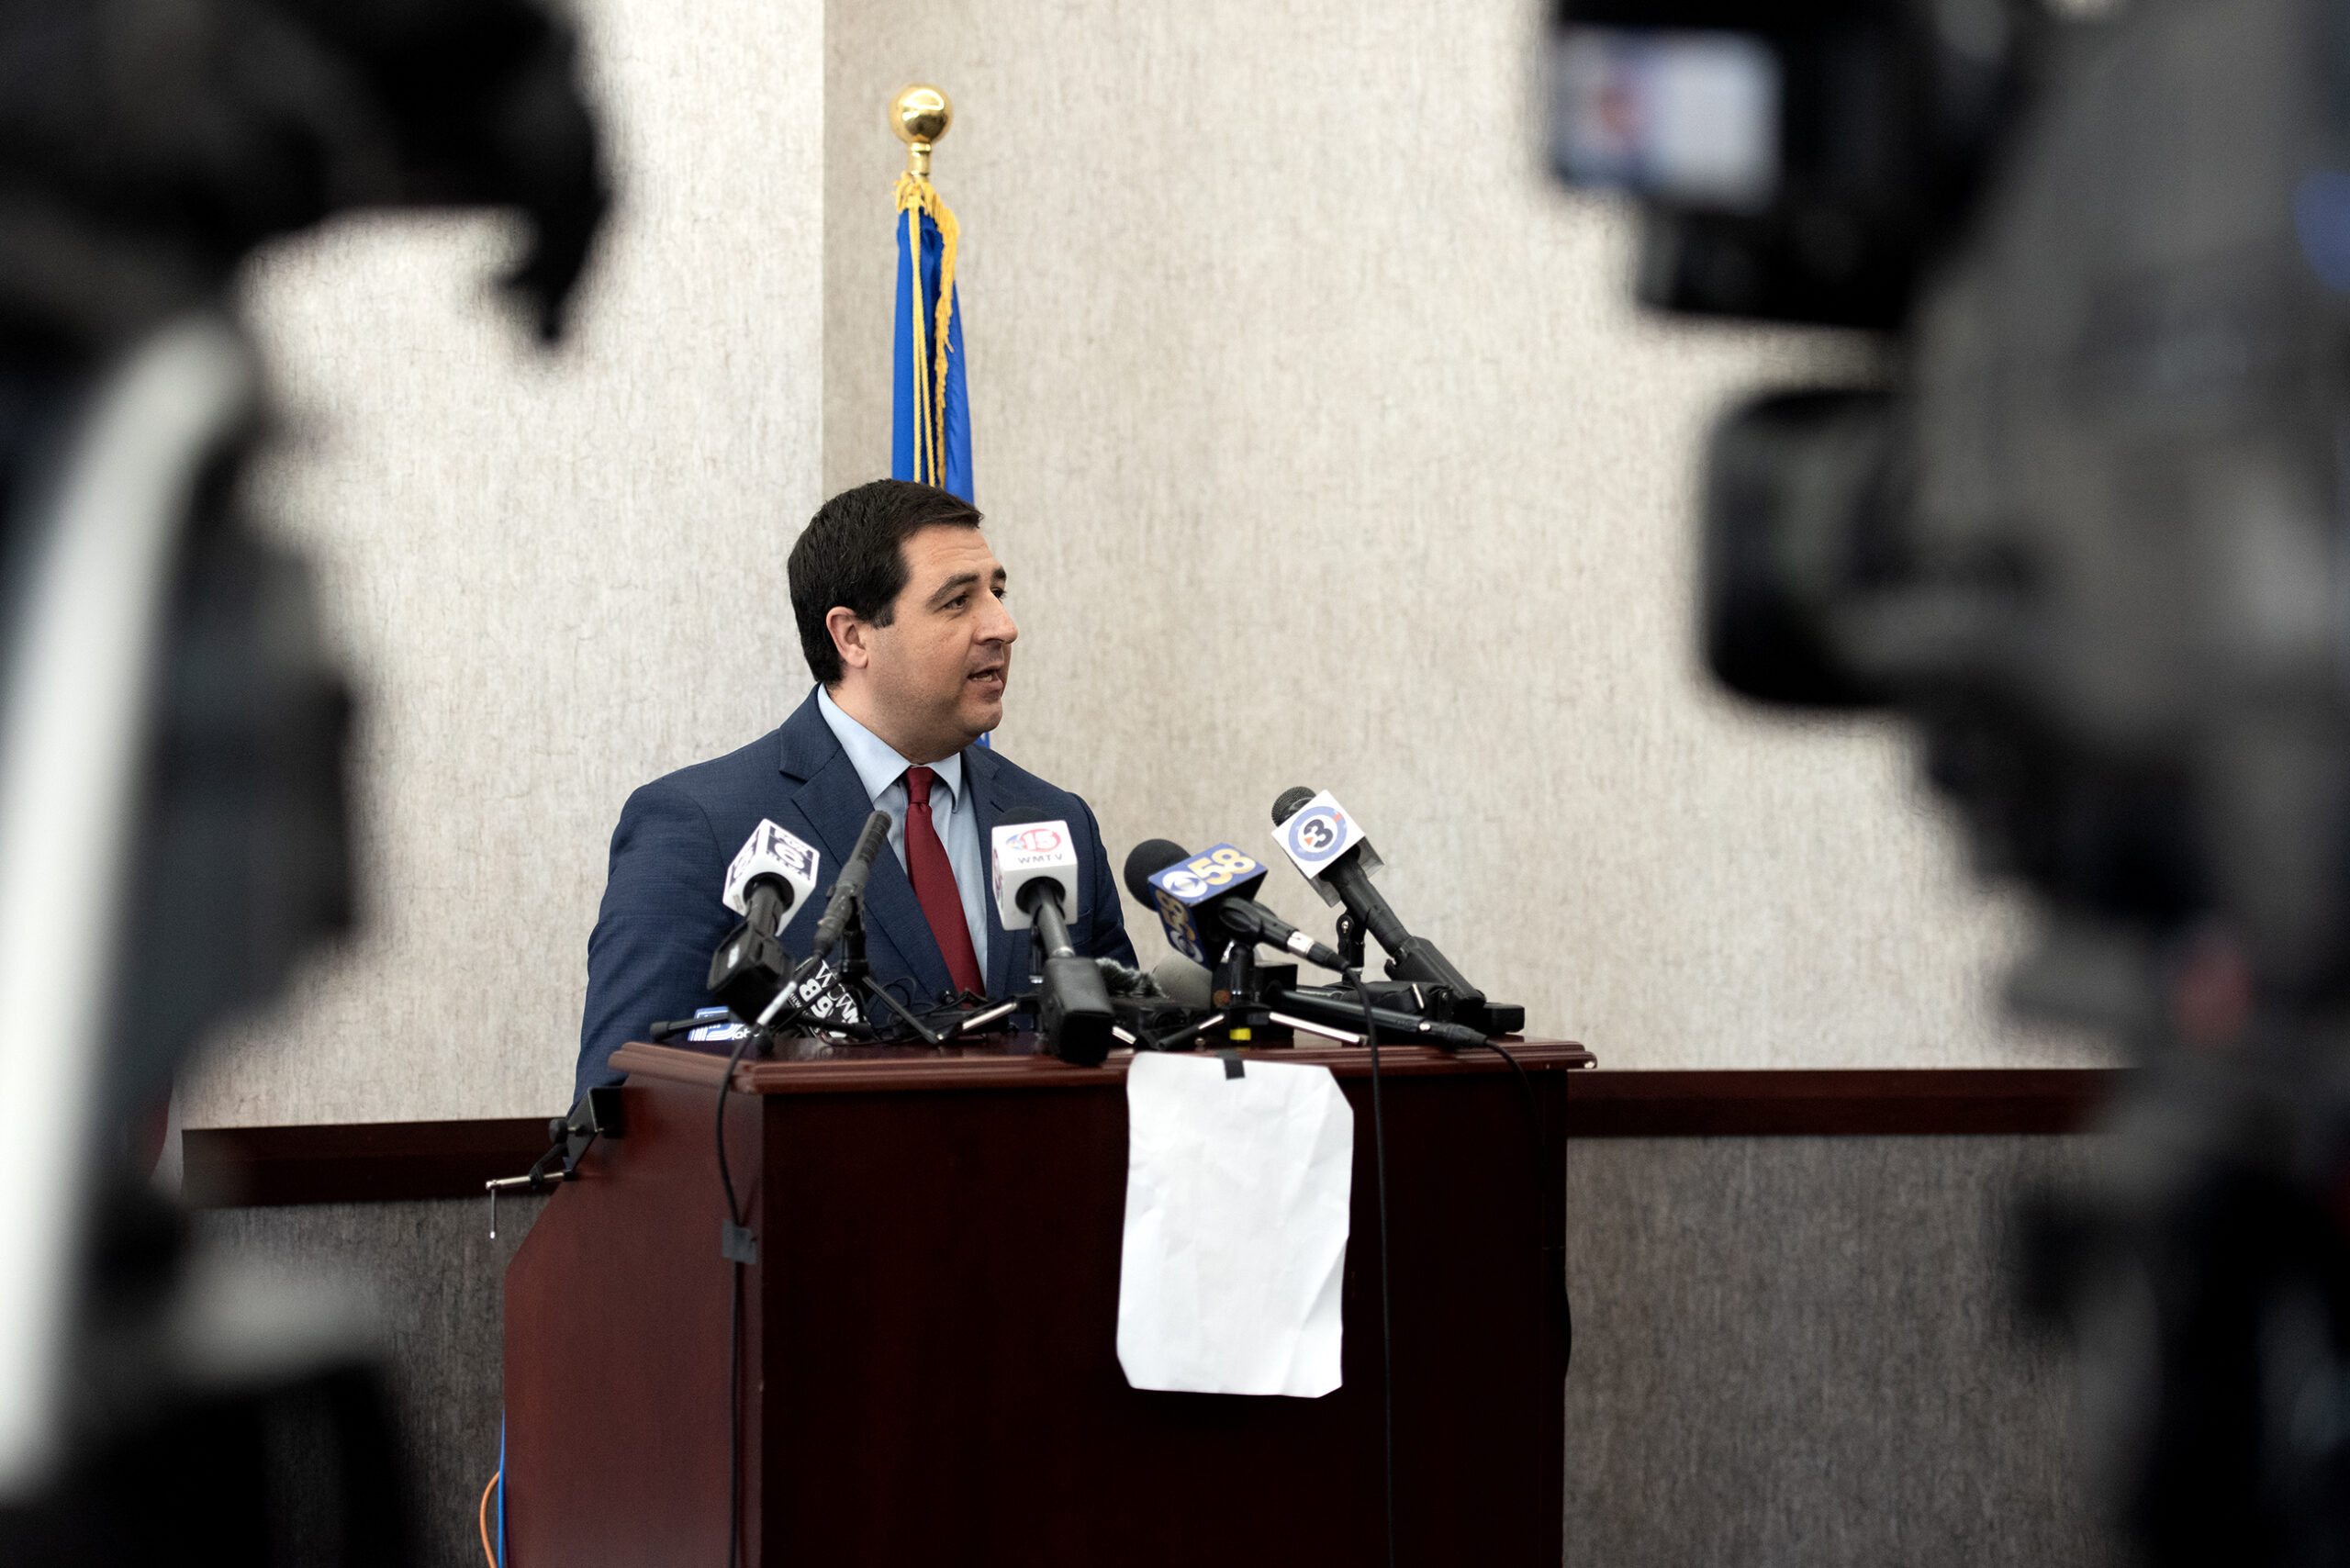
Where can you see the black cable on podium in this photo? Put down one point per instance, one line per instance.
(739, 1246)
(1386, 1322)
(1379, 1165)
(733, 1315)
(1542, 1213)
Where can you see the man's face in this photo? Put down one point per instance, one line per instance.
(935, 674)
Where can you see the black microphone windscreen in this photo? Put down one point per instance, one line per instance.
(1024, 814)
(1293, 797)
(1151, 856)
(773, 891)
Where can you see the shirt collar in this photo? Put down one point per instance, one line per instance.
(876, 762)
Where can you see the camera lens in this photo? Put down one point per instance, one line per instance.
(1802, 511)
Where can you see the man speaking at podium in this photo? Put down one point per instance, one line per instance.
(899, 605)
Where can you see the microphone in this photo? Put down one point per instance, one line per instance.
(1183, 981)
(1123, 981)
(1035, 875)
(770, 873)
(848, 891)
(1328, 848)
(1343, 1011)
(1035, 887)
(1203, 902)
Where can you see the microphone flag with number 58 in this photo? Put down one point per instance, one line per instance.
(932, 443)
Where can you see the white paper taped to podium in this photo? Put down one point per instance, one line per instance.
(1237, 1188)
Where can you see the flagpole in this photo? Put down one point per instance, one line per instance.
(937, 424)
(919, 115)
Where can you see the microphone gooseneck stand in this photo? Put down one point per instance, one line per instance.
(856, 974)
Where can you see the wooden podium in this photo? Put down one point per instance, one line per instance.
(929, 1372)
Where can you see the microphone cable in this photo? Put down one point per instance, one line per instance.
(1386, 1320)
(1379, 1165)
(734, 1319)
(1542, 1213)
(751, 1035)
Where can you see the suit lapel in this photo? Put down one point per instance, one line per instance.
(831, 799)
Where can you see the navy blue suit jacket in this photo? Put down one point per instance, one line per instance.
(661, 914)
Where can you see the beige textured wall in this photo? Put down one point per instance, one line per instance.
(1323, 446)
(555, 575)
(1315, 426)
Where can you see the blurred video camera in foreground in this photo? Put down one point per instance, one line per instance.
(2091, 532)
(173, 830)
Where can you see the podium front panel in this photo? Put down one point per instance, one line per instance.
(929, 1360)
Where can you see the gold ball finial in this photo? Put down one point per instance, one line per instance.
(920, 116)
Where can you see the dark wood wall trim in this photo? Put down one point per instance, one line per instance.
(1901, 1103)
(355, 1161)
(378, 1161)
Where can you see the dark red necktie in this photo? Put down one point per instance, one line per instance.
(933, 875)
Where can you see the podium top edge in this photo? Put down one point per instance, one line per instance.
(1019, 1061)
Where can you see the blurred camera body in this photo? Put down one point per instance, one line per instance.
(173, 830)
(2085, 527)
(2089, 532)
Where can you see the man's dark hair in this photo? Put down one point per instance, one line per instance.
(851, 553)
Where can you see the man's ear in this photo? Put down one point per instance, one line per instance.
(850, 637)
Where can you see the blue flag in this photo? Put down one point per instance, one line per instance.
(932, 443)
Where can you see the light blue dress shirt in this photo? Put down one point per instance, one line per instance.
(952, 812)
